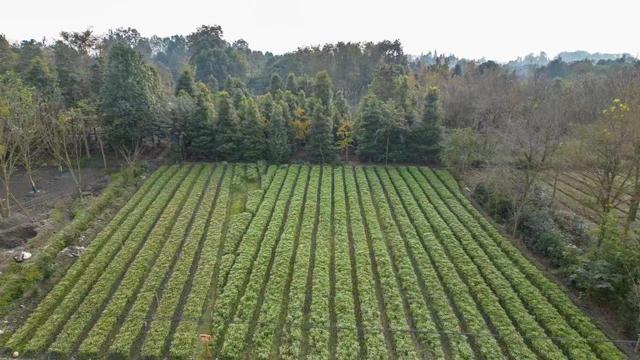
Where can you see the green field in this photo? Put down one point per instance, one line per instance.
(305, 262)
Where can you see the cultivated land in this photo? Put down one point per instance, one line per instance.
(305, 261)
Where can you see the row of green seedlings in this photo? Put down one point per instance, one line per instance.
(226, 302)
(237, 227)
(235, 336)
(137, 315)
(16, 280)
(289, 340)
(255, 192)
(266, 304)
(238, 224)
(534, 317)
(126, 270)
(430, 344)
(167, 309)
(430, 282)
(436, 269)
(160, 259)
(394, 305)
(497, 320)
(515, 310)
(318, 320)
(71, 231)
(183, 343)
(253, 177)
(424, 287)
(45, 322)
(494, 244)
(374, 341)
(347, 346)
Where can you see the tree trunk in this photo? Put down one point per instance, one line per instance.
(104, 157)
(34, 188)
(635, 201)
(386, 153)
(7, 191)
(85, 139)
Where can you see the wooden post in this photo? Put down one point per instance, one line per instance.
(637, 348)
(205, 340)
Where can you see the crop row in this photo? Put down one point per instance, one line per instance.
(319, 315)
(472, 320)
(129, 235)
(291, 336)
(127, 269)
(525, 306)
(192, 231)
(259, 273)
(179, 276)
(122, 222)
(428, 337)
(183, 342)
(17, 279)
(226, 302)
(276, 292)
(556, 297)
(437, 299)
(394, 305)
(485, 298)
(374, 342)
(347, 341)
(136, 278)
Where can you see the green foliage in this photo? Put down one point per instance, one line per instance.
(186, 82)
(291, 83)
(252, 132)
(41, 76)
(322, 90)
(426, 137)
(129, 97)
(380, 131)
(278, 144)
(462, 150)
(276, 83)
(199, 134)
(321, 143)
(227, 131)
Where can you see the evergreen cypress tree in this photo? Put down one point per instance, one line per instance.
(129, 98)
(321, 143)
(322, 89)
(276, 83)
(252, 132)
(426, 138)
(278, 141)
(227, 130)
(186, 82)
(369, 130)
(291, 83)
(199, 130)
(381, 131)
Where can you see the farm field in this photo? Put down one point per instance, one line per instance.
(305, 261)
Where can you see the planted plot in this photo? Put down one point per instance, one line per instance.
(317, 262)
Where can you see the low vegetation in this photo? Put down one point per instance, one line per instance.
(336, 261)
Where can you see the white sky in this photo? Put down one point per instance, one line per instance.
(496, 29)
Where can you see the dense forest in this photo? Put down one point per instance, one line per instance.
(506, 130)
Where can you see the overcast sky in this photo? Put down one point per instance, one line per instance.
(495, 29)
